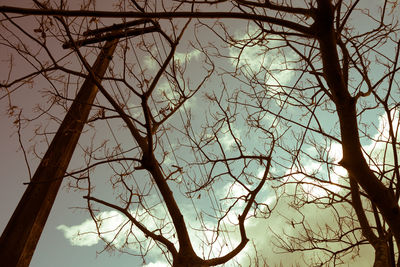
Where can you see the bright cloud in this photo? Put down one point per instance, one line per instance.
(259, 59)
(262, 232)
(227, 140)
(379, 150)
(80, 235)
(85, 234)
(157, 264)
(316, 188)
(149, 62)
(115, 228)
(182, 57)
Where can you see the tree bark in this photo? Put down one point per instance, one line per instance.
(22, 233)
(353, 159)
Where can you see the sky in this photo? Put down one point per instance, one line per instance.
(69, 237)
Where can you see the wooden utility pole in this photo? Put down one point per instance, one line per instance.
(22, 233)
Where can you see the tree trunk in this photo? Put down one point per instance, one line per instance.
(22, 233)
(353, 158)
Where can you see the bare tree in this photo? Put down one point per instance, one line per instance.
(344, 73)
(339, 69)
(145, 99)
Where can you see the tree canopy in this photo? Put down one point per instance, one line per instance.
(224, 132)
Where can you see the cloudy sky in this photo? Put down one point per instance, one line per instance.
(70, 237)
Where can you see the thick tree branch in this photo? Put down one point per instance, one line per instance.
(242, 218)
(307, 31)
(170, 246)
(287, 9)
(353, 159)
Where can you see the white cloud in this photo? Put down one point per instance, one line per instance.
(80, 235)
(379, 150)
(157, 264)
(85, 234)
(227, 140)
(285, 223)
(233, 192)
(149, 62)
(169, 95)
(271, 62)
(336, 153)
(180, 58)
(261, 231)
(115, 228)
(312, 188)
